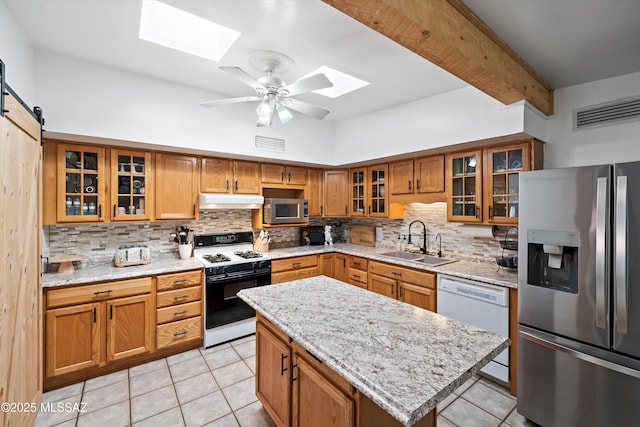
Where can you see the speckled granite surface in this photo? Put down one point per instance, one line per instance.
(403, 358)
(106, 271)
(482, 272)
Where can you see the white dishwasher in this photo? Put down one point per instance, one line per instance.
(482, 305)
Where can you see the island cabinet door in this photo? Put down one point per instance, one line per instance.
(273, 375)
(317, 402)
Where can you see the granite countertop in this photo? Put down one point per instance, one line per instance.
(107, 271)
(403, 358)
(479, 271)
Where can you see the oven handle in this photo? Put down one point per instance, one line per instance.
(260, 273)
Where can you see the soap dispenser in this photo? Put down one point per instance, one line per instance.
(403, 244)
(399, 244)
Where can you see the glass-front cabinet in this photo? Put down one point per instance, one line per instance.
(377, 193)
(358, 192)
(504, 165)
(130, 185)
(465, 172)
(81, 183)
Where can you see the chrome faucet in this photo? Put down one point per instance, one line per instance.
(424, 235)
(438, 239)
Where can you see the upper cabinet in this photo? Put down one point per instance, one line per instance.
(484, 184)
(81, 179)
(176, 186)
(336, 193)
(369, 191)
(229, 176)
(314, 192)
(281, 174)
(422, 175)
(131, 185)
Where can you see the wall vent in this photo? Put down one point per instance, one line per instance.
(269, 144)
(607, 114)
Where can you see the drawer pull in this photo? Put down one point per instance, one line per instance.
(180, 297)
(180, 313)
(296, 264)
(108, 291)
(175, 282)
(177, 334)
(357, 276)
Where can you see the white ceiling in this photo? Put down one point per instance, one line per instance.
(566, 41)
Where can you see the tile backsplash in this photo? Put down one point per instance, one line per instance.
(100, 241)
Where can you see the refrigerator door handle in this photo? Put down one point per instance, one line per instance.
(601, 221)
(620, 275)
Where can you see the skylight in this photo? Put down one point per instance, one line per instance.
(342, 83)
(174, 28)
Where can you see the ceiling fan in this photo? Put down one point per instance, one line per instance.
(275, 95)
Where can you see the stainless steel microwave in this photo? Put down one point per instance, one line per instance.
(285, 211)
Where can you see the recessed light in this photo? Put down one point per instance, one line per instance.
(174, 28)
(342, 83)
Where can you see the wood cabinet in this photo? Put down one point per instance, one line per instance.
(176, 186)
(336, 193)
(82, 177)
(229, 176)
(422, 175)
(369, 191)
(357, 271)
(281, 174)
(326, 265)
(132, 187)
(284, 270)
(314, 192)
(92, 325)
(412, 286)
(298, 389)
(341, 267)
(179, 309)
(484, 184)
(273, 372)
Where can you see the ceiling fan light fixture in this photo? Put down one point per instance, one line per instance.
(264, 109)
(283, 113)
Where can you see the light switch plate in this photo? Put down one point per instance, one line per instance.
(378, 234)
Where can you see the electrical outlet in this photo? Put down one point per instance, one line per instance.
(378, 234)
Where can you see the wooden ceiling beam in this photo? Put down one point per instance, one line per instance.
(448, 34)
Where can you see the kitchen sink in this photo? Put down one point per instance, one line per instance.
(434, 260)
(410, 256)
(426, 259)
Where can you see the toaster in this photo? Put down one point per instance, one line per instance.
(132, 255)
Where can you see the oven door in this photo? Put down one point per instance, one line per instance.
(222, 305)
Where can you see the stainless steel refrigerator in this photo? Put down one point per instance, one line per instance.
(579, 296)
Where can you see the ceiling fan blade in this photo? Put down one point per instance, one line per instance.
(305, 108)
(230, 101)
(245, 78)
(315, 82)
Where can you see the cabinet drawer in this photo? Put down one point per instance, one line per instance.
(179, 296)
(178, 312)
(356, 283)
(179, 332)
(294, 263)
(417, 277)
(178, 280)
(357, 275)
(358, 263)
(100, 292)
(285, 276)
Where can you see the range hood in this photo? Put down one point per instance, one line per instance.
(209, 201)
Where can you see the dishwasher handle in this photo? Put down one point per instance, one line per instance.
(480, 291)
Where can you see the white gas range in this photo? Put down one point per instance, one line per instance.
(231, 265)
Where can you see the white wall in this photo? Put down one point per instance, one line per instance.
(18, 56)
(89, 99)
(619, 143)
(454, 117)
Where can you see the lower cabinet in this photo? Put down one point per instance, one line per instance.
(100, 325)
(284, 270)
(76, 318)
(297, 390)
(357, 271)
(341, 271)
(404, 284)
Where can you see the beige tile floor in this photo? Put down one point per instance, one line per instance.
(215, 387)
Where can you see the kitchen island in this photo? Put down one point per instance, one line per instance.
(400, 359)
